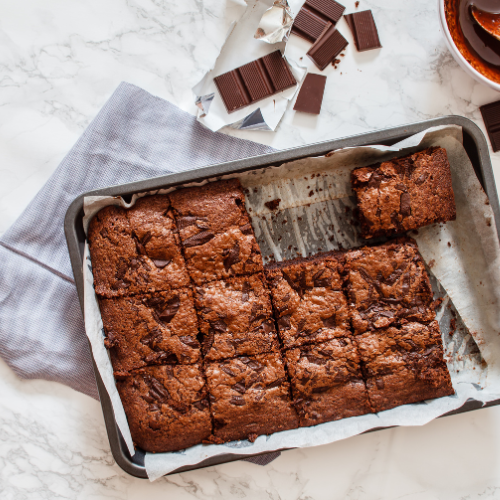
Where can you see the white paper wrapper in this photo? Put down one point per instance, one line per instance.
(241, 48)
(315, 215)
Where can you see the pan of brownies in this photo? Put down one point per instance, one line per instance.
(209, 345)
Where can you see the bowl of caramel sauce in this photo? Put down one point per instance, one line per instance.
(473, 48)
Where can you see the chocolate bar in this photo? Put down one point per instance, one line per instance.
(314, 17)
(327, 47)
(311, 94)
(491, 118)
(254, 81)
(363, 30)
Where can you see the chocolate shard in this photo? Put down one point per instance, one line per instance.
(363, 30)
(311, 94)
(327, 47)
(198, 239)
(160, 264)
(308, 25)
(254, 81)
(329, 9)
(491, 118)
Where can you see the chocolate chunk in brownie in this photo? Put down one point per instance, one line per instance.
(215, 231)
(307, 298)
(136, 250)
(387, 284)
(327, 383)
(235, 317)
(152, 329)
(166, 406)
(404, 365)
(404, 193)
(249, 396)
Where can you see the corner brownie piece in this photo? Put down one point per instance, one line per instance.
(215, 231)
(235, 317)
(308, 300)
(136, 250)
(249, 396)
(150, 329)
(327, 383)
(404, 365)
(404, 193)
(387, 284)
(166, 407)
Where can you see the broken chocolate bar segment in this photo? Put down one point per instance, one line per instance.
(491, 118)
(309, 25)
(327, 47)
(364, 30)
(254, 81)
(315, 16)
(311, 94)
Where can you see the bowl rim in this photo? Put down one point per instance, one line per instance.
(458, 55)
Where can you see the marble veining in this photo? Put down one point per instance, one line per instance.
(59, 62)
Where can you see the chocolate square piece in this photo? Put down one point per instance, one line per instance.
(136, 250)
(166, 406)
(404, 365)
(404, 193)
(150, 329)
(308, 24)
(236, 317)
(308, 301)
(327, 383)
(254, 81)
(491, 118)
(387, 284)
(215, 231)
(363, 30)
(329, 9)
(311, 94)
(327, 47)
(249, 396)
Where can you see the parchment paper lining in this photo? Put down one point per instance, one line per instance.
(315, 214)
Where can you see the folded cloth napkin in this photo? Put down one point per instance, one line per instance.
(135, 136)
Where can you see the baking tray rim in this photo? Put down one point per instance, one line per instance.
(74, 230)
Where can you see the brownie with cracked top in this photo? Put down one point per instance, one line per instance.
(136, 250)
(404, 365)
(215, 231)
(249, 396)
(327, 383)
(308, 300)
(236, 317)
(404, 193)
(166, 406)
(150, 329)
(387, 284)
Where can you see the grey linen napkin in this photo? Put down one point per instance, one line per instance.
(135, 136)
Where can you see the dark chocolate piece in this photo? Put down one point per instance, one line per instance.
(364, 30)
(309, 25)
(329, 9)
(254, 81)
(491, 118)
(327, 47)
(311, 94)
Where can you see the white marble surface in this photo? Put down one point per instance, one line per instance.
(60, 60)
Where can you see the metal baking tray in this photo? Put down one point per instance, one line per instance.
(473, 141)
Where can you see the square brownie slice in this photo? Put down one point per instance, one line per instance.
(166, 406)
(150, 329)
(404, 365)
(236, 317)
(387, 284)
(404, 193)
(249, 396)
(136, 250)
(308, 300)
(327, 383)
(215, 231)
